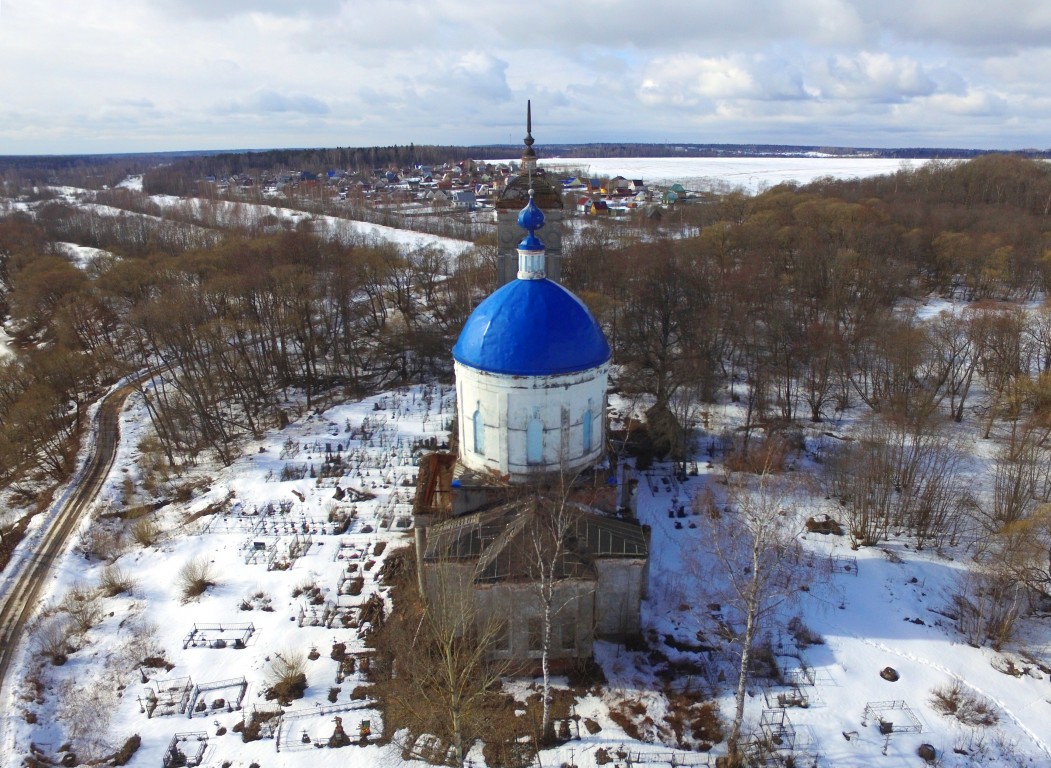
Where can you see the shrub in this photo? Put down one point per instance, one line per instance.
(802, 634)
(287, 676)
(966, 706)
(769, 455)
(115, 581)
(195, 577)
(130, 747)
(52, 641)
(986, 605)
(104, 543)
(82, 606)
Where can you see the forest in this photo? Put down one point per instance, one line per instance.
(800, 302)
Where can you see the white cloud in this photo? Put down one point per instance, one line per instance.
(266, 101)
(186, 74)
(980, 25)
(687, 80)
(972, 104)
(873, 77)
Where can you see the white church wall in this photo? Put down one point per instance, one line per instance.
(508, 404)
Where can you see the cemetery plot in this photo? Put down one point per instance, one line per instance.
(784, 697)
(347, 615)
(280, 553)
(171, 697)
(842, 564)
(316, 727)
(670, 758)
(397, 511)
(201, 702)
(831, 564)
(777, 730)
(353, 550)
(232, 635)
(323, 615)
(262, 723)
(892, 717)
(185, 749)
(286, 518)
(797, 675)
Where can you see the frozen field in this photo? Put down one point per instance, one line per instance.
(752, 174)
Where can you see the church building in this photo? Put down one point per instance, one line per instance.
(531, 472)
(531, 372)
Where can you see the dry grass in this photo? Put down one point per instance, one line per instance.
(145, 531)
(195, 577)
(115, 581)
(631, 716)
(287, 676)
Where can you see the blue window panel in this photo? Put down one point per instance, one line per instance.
(479, 430)
(535, 442)
(587, 428)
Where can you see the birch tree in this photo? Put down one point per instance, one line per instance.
(550, 555)
(756, 553)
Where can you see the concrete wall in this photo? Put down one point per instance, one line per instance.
(622, 585)
(449, 590)
(608, 607)
(518, 603)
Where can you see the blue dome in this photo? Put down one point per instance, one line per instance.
(531, 243)
(531, 218)
(531, 328)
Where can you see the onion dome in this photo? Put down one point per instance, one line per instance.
(532, 328)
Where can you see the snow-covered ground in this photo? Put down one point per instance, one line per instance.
(231, 213)
(752, 174)
(5, 343)
(247, 525)
(872, 608)
(83, 256)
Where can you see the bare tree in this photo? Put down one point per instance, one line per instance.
(553, 562)
(902, 473)
(756, 552)
(448, 656)
(1026, 550)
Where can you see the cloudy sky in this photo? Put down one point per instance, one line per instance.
(153, 75)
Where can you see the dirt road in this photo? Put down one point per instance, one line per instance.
(29, 576)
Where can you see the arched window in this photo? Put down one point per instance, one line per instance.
(587, 428)
(479, 429)
(535, 439)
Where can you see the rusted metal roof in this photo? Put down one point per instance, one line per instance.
(510, 541)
